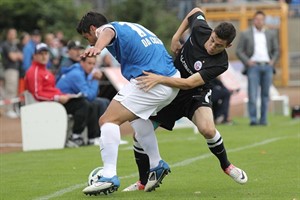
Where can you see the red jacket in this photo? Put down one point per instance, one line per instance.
(40, 82)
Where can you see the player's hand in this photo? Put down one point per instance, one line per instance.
(148, 81)
(89, 52)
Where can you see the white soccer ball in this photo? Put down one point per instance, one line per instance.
(95, 175)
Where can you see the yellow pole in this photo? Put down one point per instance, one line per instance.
(284, 59)
(243, 19)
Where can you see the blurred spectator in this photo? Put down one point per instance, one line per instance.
(24, 39)
(29, 48)
(59, 35)
(74, 51)
(62, 45)
(221, 101)
(258, 50)
(294, 8)
(12, 58)
(54, 52)
(105, 59)
(185, 6)
(272, 22)
(40, 82)
(84, 78)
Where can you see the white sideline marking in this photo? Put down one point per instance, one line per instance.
(10, 144)
(179, 164)
(207, 155)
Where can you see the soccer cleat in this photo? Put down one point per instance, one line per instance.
(134, 187)
(236, 174)
(156, 175)
(105, 185)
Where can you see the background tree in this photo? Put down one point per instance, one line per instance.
(155, 15)
(47, 16)
(63, 15)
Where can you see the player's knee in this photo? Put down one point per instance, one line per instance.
(103, 119)
(207, 131)
(107, 118)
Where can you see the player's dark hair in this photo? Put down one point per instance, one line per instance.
(90, 18)
(225, 31)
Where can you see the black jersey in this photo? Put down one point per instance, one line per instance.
(193, 57)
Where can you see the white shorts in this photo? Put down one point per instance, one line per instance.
(145, 104)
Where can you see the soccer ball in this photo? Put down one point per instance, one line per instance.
(95, 175)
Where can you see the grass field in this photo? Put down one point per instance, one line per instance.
(270, 156)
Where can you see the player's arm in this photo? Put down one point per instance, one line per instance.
(104, 36)
(175, 44)
(150, 80)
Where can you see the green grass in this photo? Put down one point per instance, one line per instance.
(270, 156)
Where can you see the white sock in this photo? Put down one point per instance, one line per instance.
(145, 135)
(215, 138)
(109, 143)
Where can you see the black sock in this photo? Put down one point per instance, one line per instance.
(142, 162)
(216, 146)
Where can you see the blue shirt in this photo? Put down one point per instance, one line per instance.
(74, 80)
(28, 52)
(137, 49)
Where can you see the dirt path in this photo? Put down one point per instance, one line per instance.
(11, 137)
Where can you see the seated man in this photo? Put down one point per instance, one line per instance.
(83, 78)
(220, 99)
(74, 51)
(40, 82)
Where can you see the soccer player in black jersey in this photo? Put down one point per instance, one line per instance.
(200, 59)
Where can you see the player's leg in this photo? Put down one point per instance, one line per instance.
(165, 118)
(144, 133)
(203, 119)
(115, 115)
(142, 162)
(130, 103)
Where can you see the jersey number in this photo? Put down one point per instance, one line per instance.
(138, 28)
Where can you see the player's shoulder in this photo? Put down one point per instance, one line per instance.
(197, 16)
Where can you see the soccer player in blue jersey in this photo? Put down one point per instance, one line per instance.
(137, 49)
(200, 59)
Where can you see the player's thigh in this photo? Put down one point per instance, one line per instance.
(116, 113)
(203, 119)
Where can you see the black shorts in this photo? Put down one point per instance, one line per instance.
(184, 105)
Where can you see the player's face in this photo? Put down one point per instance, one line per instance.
(91, 37)
(215, 45)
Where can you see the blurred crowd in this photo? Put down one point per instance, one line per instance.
(16, 52)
